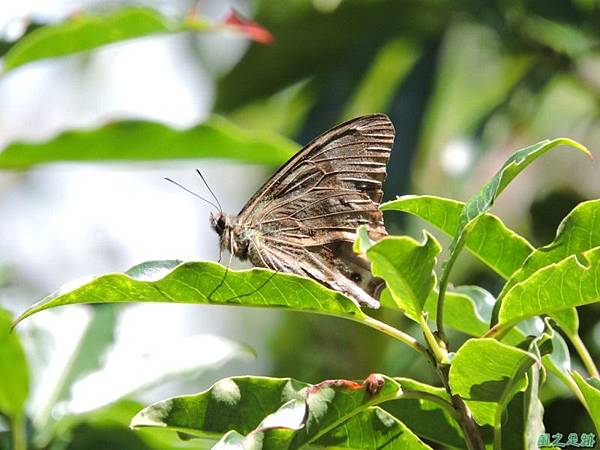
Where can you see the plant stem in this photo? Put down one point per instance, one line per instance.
(584, 354)
(396, 334)
(17, 428)
(441, 356)
(566, 378)
(466, 422)
(461, 411)
(498, 419)
(439, 320)
(497, 437)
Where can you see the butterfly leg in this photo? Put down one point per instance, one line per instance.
(218, 286)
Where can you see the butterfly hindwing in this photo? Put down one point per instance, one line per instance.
(304, 219)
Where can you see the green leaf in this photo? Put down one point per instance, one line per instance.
(579, 231)
(363, 241)
(514, 165)
(87, 31)
(137, 140)
(524, 416)
(373, 428)
(487, 374)
(559, 361)
(407, 267)
(572, 282)
(14, 371)
(426, 417)
(6, 43)
(239, 403)
(467, 309)
(590, 389)
(278, 413)
(194, 282)
(501, 249)
(233, 440)
(521, 423)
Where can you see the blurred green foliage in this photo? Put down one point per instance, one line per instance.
(480, 76)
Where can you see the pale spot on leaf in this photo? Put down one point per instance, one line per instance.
(226, 391)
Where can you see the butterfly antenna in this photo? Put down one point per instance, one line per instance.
(210, 190)
(193, 193)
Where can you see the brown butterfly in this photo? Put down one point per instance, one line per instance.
(303, 220)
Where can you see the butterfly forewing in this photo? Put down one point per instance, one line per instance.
(304, 219)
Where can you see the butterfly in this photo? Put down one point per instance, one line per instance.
(303, 220)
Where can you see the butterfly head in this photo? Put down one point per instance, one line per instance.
(219, 222)
(229, 234)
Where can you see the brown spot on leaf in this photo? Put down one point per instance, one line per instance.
(345, 384)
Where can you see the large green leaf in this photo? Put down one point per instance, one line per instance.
(578, 232)
(14, 371)
(572, 282)
(239, 403)
(203, 283)
(487, 374)
(590, 389)
(137, 140)
(489, 240)
(407, 267)
(277, 413)
(87, 31)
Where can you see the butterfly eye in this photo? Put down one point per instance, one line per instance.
(355, 276)
(220, 225)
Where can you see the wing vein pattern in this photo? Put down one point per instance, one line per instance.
(304, 219)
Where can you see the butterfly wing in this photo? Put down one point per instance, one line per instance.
(304, 219)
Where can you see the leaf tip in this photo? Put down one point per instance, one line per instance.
(363, 241)
(575, 144)
(19, 319)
